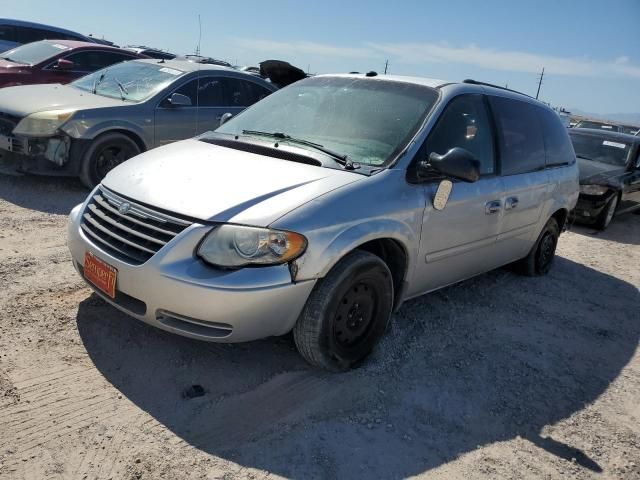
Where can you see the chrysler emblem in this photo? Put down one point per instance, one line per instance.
(124, 208)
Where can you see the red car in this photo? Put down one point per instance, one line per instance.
(57, 61)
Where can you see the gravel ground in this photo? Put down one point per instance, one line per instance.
(494, 378)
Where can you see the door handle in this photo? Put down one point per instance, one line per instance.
(512, 202)
(492, 207)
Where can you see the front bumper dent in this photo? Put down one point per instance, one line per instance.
(37, 154)
(177, 292)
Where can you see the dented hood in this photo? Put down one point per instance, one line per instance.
(214, 183)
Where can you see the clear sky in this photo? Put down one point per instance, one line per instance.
(590, 48)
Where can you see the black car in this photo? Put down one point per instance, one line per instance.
(609, 165)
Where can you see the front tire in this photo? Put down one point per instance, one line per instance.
(346, 314)
(541, 257)
(605, 217)
(104, 154)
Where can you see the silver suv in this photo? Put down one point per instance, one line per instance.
(323, 207)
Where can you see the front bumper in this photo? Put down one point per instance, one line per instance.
(589, 207)
(46, 155)
(177, 292)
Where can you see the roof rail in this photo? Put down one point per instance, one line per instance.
(475, 82)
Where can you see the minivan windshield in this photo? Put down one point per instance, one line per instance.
(34, 53)
(132, 80)
(591, 147)
(369, 121)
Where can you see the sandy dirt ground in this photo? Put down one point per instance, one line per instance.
(499, 377)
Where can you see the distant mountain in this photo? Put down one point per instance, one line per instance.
(626, 118)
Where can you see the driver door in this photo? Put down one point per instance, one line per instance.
(173, 123)
(459, 241)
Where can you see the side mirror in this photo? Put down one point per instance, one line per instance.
(63, 64)
(456, 163)
(179, 100)
(225, 118)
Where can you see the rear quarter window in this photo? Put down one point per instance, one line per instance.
(558, 146)
(520, 136)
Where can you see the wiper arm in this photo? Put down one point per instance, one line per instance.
(14, 61)
(123, 91)
(98, 81)
(343, 160)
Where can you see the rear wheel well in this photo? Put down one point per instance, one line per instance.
(395, 256)
(561, 217)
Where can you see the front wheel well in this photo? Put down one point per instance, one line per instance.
(395, 256)
(136, 138)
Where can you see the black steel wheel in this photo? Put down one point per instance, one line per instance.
(347, 313)
(105, 153)
(541, 257)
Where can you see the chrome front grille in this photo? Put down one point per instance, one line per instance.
(129, 231)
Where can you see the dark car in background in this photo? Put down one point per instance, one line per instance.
(609, 165)
(57, 61)
(14, 33)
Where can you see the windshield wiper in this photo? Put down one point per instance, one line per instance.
(343, 160)
(123, 91)
(14, 61)
(98, 81)
(583, 157)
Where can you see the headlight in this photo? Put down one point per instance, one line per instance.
(42, 124)
(593, 189)
(233, 246)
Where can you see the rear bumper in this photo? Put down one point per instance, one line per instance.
(177, 292)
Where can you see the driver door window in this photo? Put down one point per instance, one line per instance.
(465, 124)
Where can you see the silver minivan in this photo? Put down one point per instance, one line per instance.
(323, 207)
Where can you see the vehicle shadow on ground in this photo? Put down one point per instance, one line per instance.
(45, 194)
(487, 360)
(623, 229)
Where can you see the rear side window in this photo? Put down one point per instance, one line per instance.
(241, 93)
(90, 61)
(558, 147)
(236, 93)
(465, 124)
(520, 134)
(255, 92)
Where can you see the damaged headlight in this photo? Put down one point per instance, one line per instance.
(234, 246)
(593, 189)
(43, 124)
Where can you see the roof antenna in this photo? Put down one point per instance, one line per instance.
(199, 35)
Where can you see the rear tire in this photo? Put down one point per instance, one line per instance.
(346, 314)
(105, 153)
(541, 257)
(607, 213)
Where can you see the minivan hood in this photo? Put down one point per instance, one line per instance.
(26, 99)
(220, 184)
(594, 173)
